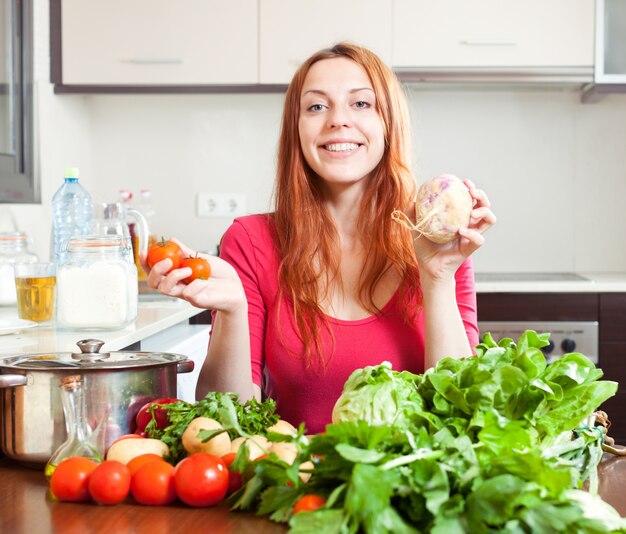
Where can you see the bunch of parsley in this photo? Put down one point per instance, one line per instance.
(251, 417)
(497, 443)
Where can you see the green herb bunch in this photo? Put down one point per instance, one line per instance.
(251, 417)
(496, 442)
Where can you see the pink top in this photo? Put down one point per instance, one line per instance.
(308, 395)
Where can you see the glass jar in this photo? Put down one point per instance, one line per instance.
(96, 284)
(13, 249)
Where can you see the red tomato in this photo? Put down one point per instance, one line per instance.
(235, 480)
(153, 484)
(308, 503)
(200, 269)
(70, 479)
(162, 250)
(160, 415)
(139, 461)
(201, 479)
(110, 482)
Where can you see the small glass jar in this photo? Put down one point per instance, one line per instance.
(13, 249)
(96, 284)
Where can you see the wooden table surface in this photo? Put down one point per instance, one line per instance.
(26, 508)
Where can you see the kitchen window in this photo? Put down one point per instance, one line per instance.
(17, 177)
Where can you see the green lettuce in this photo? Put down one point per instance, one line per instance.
(378, 395)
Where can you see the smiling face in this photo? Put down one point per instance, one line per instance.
(341, 132)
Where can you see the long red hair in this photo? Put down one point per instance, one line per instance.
(307, 239)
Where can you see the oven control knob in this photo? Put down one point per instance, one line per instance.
(548, 348)
(568, 345)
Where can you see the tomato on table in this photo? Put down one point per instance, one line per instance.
(162, 250)
(153, 484)
(201, 479)
(139, 461)
(110, 482)
(308, 503)
(235, 480)
(200, 269)
(70, 479)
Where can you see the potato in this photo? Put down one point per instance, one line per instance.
(283, 427)
(257, 446)
(442, 206)
(286, 451)
(125, 450)
(218, 445)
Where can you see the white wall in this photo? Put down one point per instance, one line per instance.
(554, 168)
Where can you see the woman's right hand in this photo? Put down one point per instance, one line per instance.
(223, 290)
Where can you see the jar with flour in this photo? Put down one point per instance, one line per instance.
(96, 284)
(13, 249)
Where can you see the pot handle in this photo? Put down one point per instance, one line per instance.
(9, 381)
(185, 366)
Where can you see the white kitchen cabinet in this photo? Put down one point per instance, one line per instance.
(159, 42)
(493, 33)
(290, 31)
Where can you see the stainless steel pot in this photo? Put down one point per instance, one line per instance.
(115, 386)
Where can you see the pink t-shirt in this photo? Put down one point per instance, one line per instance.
(308, 394)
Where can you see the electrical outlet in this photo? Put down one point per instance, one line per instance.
(221, 205)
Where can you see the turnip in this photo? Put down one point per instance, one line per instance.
(218, 445)
(442, 206)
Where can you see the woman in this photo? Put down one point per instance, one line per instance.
(328, 282)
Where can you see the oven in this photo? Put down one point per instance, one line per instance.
(565, 336)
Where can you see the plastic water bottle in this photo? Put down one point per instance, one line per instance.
(72, 211)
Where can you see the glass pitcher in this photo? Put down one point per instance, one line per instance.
(113, 219)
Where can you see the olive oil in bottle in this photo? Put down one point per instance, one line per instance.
(81, 440)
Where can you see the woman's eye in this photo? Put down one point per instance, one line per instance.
(316, 107)
(362, 104)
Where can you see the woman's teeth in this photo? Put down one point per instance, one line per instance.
(341, 147)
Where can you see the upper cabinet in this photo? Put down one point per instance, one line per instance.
(158, 42)
(256, 45)
(290, 31)
(493, 33)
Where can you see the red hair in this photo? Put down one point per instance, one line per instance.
(307, 239)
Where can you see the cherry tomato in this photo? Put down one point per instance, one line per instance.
(139, 461)
(308, 503)
(201, 479)
(110, 482)
(70, 479)
(235, 480)
(162, 250)
(200, 269)
(160, 415)
(153, 484)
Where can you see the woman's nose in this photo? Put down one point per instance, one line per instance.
(339, 117)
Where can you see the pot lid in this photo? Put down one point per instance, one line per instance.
(90, 357)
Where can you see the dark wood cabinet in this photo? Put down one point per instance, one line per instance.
(609, 309)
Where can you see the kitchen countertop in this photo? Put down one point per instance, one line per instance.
(26, 507)
(154, 315)
(550, 283)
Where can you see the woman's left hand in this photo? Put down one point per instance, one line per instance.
(438, 261)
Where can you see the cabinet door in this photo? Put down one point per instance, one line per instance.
(159, 42)
(493, 33)
(290, 31)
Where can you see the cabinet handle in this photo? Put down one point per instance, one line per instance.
(487, 43)
(152, 61)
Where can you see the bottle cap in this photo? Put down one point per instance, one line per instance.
(71, 172)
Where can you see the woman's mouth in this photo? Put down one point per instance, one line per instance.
(341, 147)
